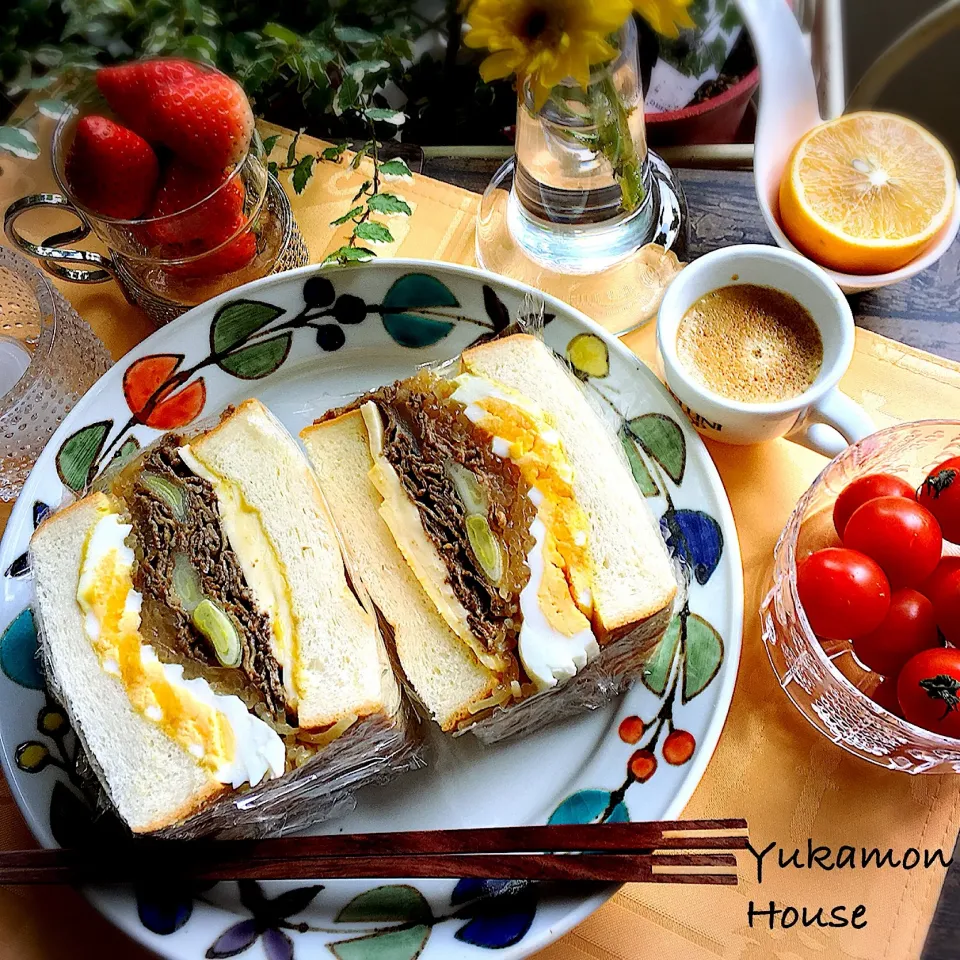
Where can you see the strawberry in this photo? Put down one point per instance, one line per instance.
(208, 225)
(130, 88)
(233, 256)
(205, 120)
(110, 169)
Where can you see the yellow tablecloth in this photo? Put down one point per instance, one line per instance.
(770, 766)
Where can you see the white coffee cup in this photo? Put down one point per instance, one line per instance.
(821, 418)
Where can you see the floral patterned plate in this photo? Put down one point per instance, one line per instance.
(304, 341)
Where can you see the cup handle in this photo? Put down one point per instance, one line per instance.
(63, 263)
(832, 424)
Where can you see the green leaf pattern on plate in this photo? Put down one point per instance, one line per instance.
(259, 359)
(236, 321)
(79, 452)
(396, 901)
(656, 674)
(403, 944)
(411, 310)
(588, 806)
(661, 437)
(703, 654)
(18, 651)
(646, 483)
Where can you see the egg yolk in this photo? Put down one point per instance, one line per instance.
(192, 724)
(564, 591)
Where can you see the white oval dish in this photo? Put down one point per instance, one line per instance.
(366, 326)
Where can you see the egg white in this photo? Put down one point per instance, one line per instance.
(548, 655)
(258, 748)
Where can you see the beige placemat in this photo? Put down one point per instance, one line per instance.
(770, 765)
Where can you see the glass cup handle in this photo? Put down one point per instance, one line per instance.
(832, 424)
(63, 263)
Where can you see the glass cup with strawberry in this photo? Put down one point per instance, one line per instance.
(160, 158)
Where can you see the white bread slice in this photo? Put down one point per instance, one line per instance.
(341, 664)
(151, 780)
(442, 669)
(633, 578)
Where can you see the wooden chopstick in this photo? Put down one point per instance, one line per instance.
(606, 852)
(556, 838)
(619, 868)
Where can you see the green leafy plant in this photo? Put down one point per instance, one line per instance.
(370, 199)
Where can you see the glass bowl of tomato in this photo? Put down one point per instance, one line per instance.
(835, 678)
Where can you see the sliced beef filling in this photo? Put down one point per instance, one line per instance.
(199, 537)
(426, 435)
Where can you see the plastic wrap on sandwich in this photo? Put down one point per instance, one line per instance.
(179, 595)
(477, 478)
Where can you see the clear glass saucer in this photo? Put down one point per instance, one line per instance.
(614, 270)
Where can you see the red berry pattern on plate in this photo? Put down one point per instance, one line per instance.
(678, 747)
(130, 89)
(630, 729)
(642, 765)
(205, 120)
(110, 169)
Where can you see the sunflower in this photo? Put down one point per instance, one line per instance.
(667, 17)
(545, 41)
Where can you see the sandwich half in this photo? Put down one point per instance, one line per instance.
(496, 527)
(200, 629)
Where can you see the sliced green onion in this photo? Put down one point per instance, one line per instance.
(218, 628)
(186, 583)
(485, 547)
(169, 492)
(468, 488)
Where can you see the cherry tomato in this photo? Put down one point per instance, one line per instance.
(885, 695)
(928, 689)
(857, 493)
(909, 627)
(940, 494)
(943, 589)
(903, 537)
(844, 594)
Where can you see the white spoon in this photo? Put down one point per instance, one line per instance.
(788, 109)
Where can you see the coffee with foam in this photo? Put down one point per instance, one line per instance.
(750, 343)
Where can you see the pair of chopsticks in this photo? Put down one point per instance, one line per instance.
(678, 851)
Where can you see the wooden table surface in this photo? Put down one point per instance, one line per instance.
(923, 312)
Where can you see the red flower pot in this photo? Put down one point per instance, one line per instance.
(715, 120)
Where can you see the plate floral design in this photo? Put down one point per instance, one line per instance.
(304, 341)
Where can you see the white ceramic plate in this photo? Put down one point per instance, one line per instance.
(302, 342)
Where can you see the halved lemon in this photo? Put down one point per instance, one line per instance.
(867, 192)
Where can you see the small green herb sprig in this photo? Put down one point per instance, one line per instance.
(370, 199)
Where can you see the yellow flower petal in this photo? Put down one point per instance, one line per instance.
(580, 69)
(547, 40)
(666, 17)
(499, 65)
(541, 93)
